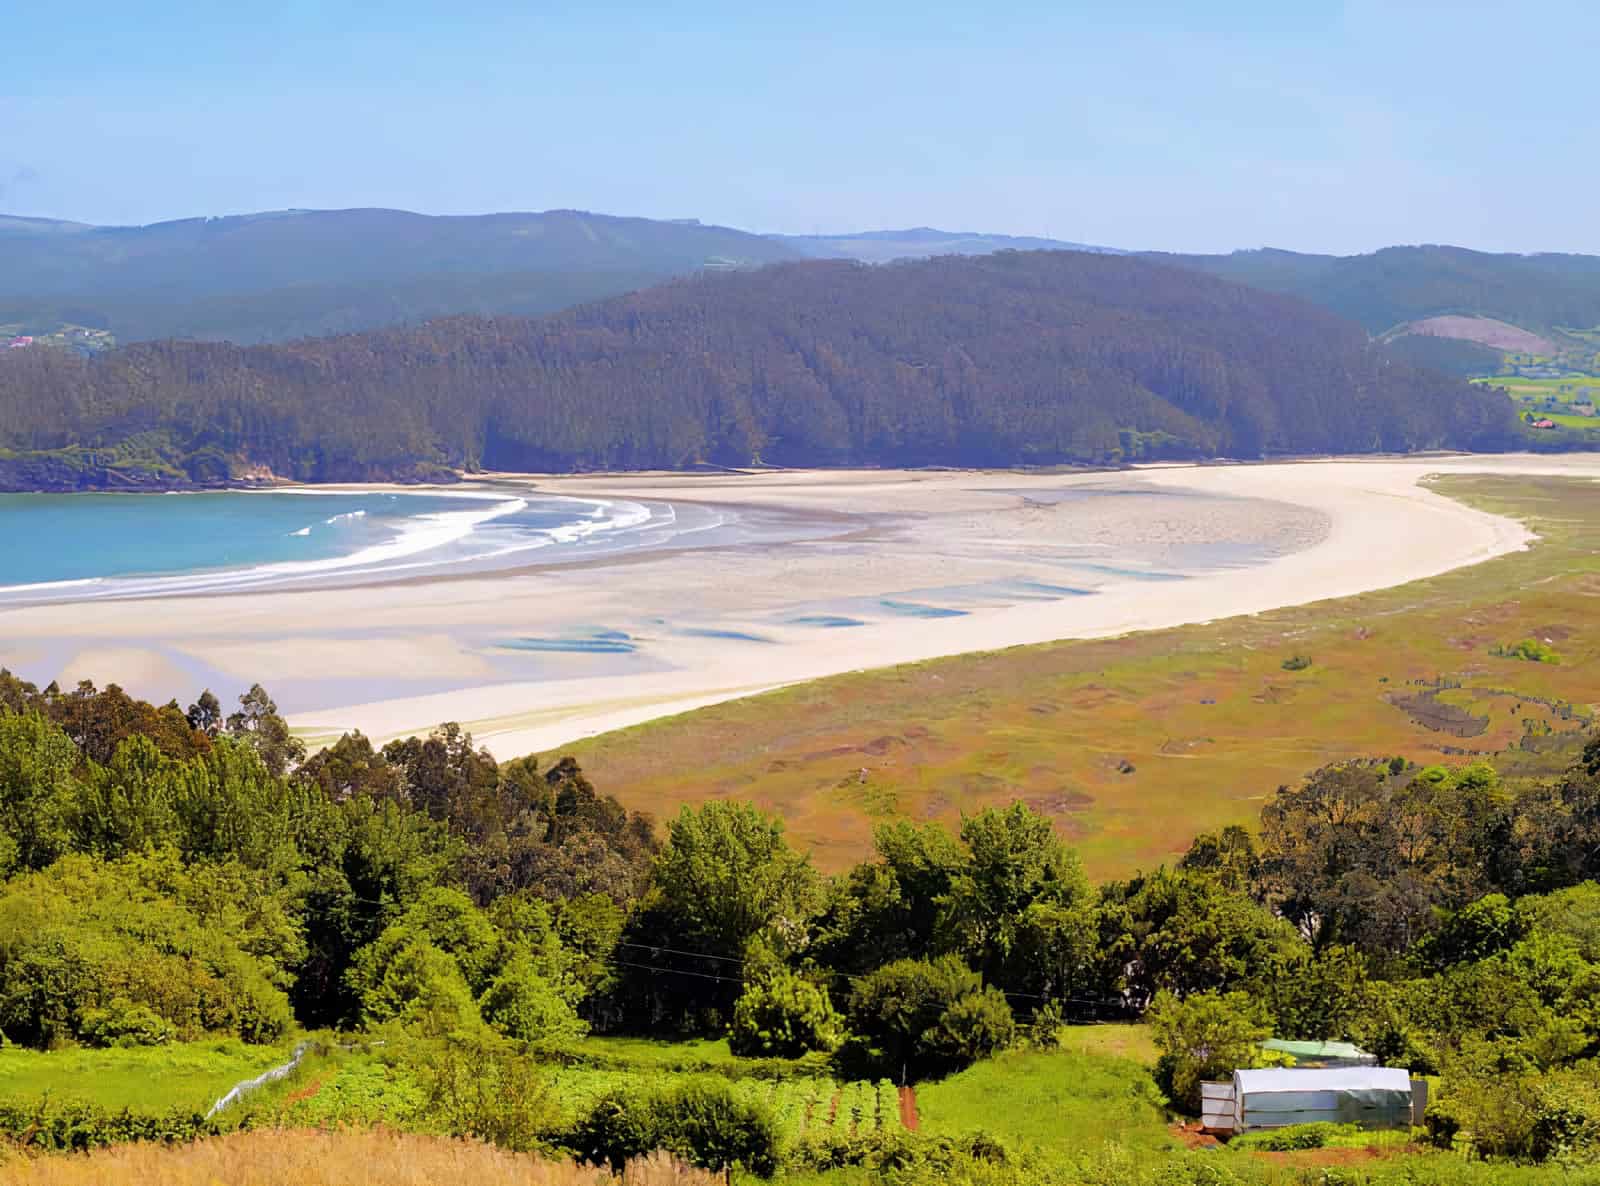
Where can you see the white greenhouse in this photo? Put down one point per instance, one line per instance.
(1276, 1097)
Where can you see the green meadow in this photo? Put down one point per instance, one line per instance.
(189, 1075)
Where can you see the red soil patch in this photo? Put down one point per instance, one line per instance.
(908, 1109)
(1189, 1133)
(1339, 1155)
(303, 1093)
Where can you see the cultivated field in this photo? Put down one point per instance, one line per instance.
(1133, 745)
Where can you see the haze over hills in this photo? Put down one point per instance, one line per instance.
(281, 275)
(1390, 288)
(294, 273)
(876, 247)
(1037, 357)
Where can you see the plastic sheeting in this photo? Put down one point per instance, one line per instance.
(1275, 1097)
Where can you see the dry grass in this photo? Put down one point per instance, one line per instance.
(1135, 744)
(314, 1158)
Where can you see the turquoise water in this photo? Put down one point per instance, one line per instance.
(89, 545)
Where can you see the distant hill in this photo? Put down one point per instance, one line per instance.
(1387, 289)
(1019, 357)
(876, 247)
(275, 276)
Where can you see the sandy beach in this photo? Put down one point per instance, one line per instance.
(897, 567)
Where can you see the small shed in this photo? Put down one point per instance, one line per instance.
(1276, 1097)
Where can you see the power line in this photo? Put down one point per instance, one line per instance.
(727, 959)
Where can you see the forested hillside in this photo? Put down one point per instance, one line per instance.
(292, 273)
(1401, 284)
(1044, 357)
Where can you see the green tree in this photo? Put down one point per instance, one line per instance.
(1184, 933)
(727, 874)
(783, 1015)
(421, 987)
(37, 789)
(1021, 909)
(1206, 1036)
(258, 722)
(914, 1018)
(522, 1004)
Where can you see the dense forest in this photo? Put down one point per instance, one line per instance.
(171, 874)
(1399, 284)
(292, 273)
(1020, 357)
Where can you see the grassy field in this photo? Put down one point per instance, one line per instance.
(1554, 399)
(1056, 1104)
(1123, 1039)
(1135, 744)
(187, 1075)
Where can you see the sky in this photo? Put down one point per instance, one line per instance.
(1146, 124)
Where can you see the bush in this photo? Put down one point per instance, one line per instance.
(124, 1023)
(477, 1087)
(700, 1120)
(85, 944)
(1566, 1118)
(1530, 650)
(916, 1018)
(976, 1026)
(1296, 663)
(784, 1016)
(75, 1127)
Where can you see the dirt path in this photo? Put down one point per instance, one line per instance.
(908, 1109)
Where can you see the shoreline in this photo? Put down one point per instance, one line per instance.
(512, 654)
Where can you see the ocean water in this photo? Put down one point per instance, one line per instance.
(76, 546)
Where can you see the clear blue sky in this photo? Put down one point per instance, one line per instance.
(1186, 125)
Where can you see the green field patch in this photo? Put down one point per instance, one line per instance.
(145, 1079)
(1051, 1103)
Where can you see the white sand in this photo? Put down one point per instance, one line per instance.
(1344, 527)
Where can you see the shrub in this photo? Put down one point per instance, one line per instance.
(477, 1087)
(700, 1120)
(919, 1018)
(123, 1023)
(1296, 663)
(973, 1027)
(84, 943)
(1530, 650)
(75, 1127)
(784, 1016)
